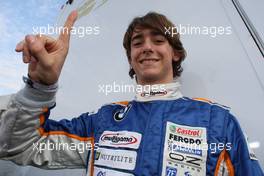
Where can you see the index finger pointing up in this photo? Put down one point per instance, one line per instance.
(65, 34)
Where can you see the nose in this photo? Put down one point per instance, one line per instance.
(147, 46)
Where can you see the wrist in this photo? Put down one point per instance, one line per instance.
(40, 86)
(36, 95)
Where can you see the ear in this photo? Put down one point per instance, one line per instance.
(176, 56)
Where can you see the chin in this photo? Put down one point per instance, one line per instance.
(150, 77)
(150, 74)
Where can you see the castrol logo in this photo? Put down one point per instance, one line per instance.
(189, 132)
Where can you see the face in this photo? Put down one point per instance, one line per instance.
(151, 57)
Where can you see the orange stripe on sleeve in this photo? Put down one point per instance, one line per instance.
(43, 133)
(41, 119)
(122, 103)
(203, 99)
(42, 116)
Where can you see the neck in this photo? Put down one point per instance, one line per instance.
(154, 81)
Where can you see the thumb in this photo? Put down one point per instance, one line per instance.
(36, 47)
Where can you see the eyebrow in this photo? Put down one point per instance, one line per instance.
(140, 35)
(155, 33)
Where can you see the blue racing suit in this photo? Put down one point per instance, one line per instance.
(158, 133)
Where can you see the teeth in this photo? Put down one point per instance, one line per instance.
(149, 60)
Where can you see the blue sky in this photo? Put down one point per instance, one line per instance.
(17, 18)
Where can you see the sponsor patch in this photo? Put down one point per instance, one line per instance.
(170, 171)
(189, 132)
(185, 150)
(121, 114)
(119, 159)
(153, 93)
(109, 172)
(124, 139)
(177, 148)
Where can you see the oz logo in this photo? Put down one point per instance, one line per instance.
(170, 171)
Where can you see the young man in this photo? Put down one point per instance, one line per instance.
(160, 132)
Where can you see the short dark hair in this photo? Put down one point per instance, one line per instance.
(158, 22)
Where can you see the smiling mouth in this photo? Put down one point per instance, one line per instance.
(148, 61)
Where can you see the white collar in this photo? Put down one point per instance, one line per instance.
(170, 91)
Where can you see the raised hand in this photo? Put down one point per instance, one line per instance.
(46, 55)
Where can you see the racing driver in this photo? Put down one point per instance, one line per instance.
(159, 132)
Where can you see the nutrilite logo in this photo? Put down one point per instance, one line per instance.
(119, 139)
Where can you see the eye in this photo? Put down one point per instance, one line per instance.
(159, 39)
(136, 43)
